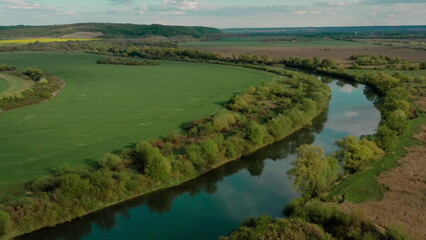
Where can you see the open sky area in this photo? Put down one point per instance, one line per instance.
(217, 13)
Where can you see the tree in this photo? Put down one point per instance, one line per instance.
(112, 161)
(357, 154)
(386, 138)
(210, 151)
(157, 166)
(256, 133)
(313, 173)
(396, 120)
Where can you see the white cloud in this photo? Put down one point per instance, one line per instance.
(24, 5)
(174, 7)
(306, 12)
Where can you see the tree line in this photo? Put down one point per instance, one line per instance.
(129, 62)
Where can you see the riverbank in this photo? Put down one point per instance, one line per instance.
(77, 193)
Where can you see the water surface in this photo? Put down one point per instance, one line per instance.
(217, 202)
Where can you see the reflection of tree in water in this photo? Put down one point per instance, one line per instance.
(162, 201)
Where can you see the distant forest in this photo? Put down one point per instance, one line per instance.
(109, 30)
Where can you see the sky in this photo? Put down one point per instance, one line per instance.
(217, 13)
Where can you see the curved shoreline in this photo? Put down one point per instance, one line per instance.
(308, 118)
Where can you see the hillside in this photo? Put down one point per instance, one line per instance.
(105, 30)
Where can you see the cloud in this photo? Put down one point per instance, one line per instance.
(305, 12)
(23, 5)
(174, 7)
(119, 2)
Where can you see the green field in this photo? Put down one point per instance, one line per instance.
(11, 84)
(258, 42)
(104, 108)
(4, 85)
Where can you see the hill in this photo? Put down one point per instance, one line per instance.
(105, 30)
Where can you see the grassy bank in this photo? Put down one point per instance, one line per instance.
(105, 108)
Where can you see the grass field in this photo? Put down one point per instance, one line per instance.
(12, 84)
(4, 85)
(104, 108)
(44, 40)
(259, 42)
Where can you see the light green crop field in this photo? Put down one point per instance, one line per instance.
(257, 42)
(104, 108)
(11, 84)
(4, 85)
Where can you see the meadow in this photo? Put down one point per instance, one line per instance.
(104, 108)
(11, 84)
(43, 40)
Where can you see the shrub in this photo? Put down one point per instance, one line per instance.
(357, 154)
(157, 166)
(112, 162)
(5, 222)
(256, 133)
(210, 152)
(33, 73)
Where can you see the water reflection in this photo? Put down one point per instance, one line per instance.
(216, 202)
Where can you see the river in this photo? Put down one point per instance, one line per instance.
(217, 202)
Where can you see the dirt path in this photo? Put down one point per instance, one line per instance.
(405, 200)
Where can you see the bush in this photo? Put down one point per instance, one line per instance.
(265, 228)
(157, 166)
(34, 74)
(112, 162)
(5, 222)
(357, 154)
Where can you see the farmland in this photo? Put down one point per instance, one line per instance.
(104, 108)
(283, 47)
(43, 40)
(12, 84)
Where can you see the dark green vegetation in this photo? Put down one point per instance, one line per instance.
(107, 107)
(313, 172)
(385, 62)
(313, 220)
(43, 88)
(109, 30)
(130, 62)
(252, 120)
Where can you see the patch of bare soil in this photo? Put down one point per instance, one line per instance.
(405, 200)
(340, 54)
(83, 35)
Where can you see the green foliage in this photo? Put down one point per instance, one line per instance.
(265, 228)
(112, 162)
(356, 154)
(110, 30)
(39, 92)
(210, 152)
(74, 186)
(336, 222)
(397, 120)
(5, 222)
(34, 74)
(312, 172)
(130, 62)
(156, 165)
(256, 133)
